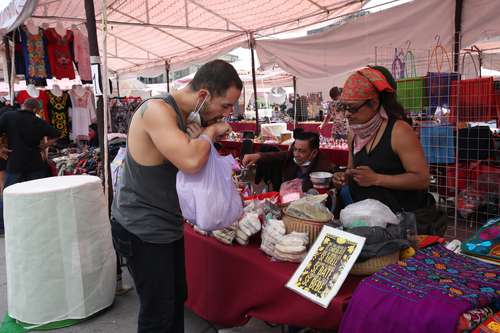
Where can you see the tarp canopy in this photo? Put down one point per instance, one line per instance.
(14, 13)
(325, 59)
(146, 32)
(336, 52)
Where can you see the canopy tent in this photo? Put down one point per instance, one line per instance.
(14, 13)
(143, 33)
(325, 59)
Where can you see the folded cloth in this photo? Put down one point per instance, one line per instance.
(471, 319)
(426, 293)
(380, 241)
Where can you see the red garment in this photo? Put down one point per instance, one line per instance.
(42, 100)
(59, 50)
(229, 284)
(474, 100)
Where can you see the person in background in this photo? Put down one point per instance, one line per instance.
(303, 158)
(339, 120)
(27, 137)
(386, 159)
(146, 221)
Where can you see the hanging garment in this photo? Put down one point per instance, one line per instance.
(58, 107)
(82, 55)
(426, 293)
(473, 100)
(36, 61)
(82, 114)
(59, 50)
(18, 52)
(438, 143)
(42, 98)
(122, 110)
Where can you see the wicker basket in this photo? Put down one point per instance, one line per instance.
(312, 228)
(373, 265)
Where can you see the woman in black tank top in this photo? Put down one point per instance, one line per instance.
(386, 160)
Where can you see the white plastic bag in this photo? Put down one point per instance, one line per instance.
(367, 213)
(209, 199)
(117, 166)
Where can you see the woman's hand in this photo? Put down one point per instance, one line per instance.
(365, 176)
(339, 179)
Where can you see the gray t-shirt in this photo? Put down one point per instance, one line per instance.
(146, 202)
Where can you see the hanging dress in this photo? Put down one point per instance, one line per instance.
(58, 107)
(60, 55)
(37, 69)
(82, 114)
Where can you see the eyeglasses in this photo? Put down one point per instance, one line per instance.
(349, 108)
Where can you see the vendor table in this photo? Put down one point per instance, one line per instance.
(308, 126)
(59, 254)
(338, 156)
(229, 284)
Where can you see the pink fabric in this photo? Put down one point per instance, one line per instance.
(364, 133)
(82, 55)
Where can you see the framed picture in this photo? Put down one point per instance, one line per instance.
(326, 266)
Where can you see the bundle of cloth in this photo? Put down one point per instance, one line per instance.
(385, 232)
(426, 293)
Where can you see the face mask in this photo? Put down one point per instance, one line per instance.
(305, 164)
(194, 117)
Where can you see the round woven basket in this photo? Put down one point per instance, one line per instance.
(312, 228)
(373, 265)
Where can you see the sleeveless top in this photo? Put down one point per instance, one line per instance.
(146, 202)
(383, 160)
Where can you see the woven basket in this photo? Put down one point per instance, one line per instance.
(373, 265)
(312, 228)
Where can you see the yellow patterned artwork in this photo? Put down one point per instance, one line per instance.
(326, 266)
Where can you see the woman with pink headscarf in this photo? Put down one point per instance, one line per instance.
(386, 159)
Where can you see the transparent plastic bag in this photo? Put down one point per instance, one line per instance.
(209, 198)
(310, 208)
(291, 190)
(367, 213)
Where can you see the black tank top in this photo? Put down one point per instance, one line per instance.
(146, 202)
(383, 160)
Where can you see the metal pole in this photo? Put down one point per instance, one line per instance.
(294, 101)
(95, 60)
(105, 94)
(6, 44)
(254, 82)
(118, 85)
(458, 30)
(167, 71)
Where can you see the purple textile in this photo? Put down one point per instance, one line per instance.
(426, 293)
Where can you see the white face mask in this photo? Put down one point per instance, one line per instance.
(305, 164)
(194, 117)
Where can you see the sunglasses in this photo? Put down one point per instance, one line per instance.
(349, 108)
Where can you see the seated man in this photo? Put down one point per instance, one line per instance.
(298, 162)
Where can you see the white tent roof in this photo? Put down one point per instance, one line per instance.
(149, 32)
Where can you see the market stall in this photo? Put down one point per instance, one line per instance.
(246, 283)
